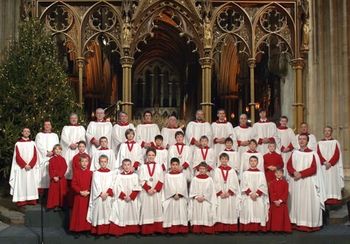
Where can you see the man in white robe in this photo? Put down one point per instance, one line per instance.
(242, 135)
(118, 132)
(306, 188)
(147, 131)
(198, 128)
(264, 131)
(24, 175)
(97, 129)
(221, 129)
(169, 131)
(331, 159)
(304, 129)
(70, 136)
(45, 141)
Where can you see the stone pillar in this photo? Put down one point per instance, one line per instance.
(80, 61)
(298, 65)
(206, 104)
(126, 63)
(251, 63)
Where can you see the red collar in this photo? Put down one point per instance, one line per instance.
(150, 162)
(158, 148)
(244, 126)
(264, 121)
(330, 139)
(221, 122)
(147, 123)
(179, 144)
(103, 148)
(130, 141)
(127, 173)
(254, 170)
(123, 123)
(103, 120)
(74, 125)
(24, 140)
(174, 172)
(204, 147)
(45, 132)
(202, 176)
(227, 167)
(282, 127)
(305, 150)
(103, 170)
(250, 151)
(229, 150)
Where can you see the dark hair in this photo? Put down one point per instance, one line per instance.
(262, 110)
(126, 160)
(147, 112)
(304, 134)
(179, 133)
(329, 127)
(158, 137)
(254, 157)
(174, 160)
(202, 164)
(254, 141)
(102, 137)
(224, 155)
(228, 139)
(102, 156)
(151, 149)
(129, 131)
(280, 169)
(82, 142)
(83, 157)
(204, 137)
(284, 117)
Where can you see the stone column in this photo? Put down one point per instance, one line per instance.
(126, 63)
(80, 62)
(298, 65)
(251, 64)
(206, 104)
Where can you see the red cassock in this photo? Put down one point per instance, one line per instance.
(76, 160)
(81, 182)
(279, 215)
(57, 190)
(272, 159)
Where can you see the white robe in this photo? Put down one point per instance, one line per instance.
(185, 157)
(145, 133)
(307, 195)
(264, 130)
(151, 206)
(220, 130)
(233, 161)
(203, 213)
(135, 155)
(97, 130)
(99, 211)
(169, 135)
(45, 142)
(334, 176)
(195, 130)
(198, 158)
(312, 144)
(71, 134)
(24, 184)
(242, 134)
(175, 211)
(125, 213)
(227, 211)
(245, 162)
(118, 135)
(162, 158)
(113, 164)
(254, 211)
(287, 137)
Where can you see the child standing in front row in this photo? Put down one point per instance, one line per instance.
(175, 203)
(228, 196)
(255, 202)
(202, 206)
(58, 184)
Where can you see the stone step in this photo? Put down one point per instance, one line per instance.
(11, 216)
(50, 217)
(339, 215)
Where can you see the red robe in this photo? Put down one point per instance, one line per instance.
(272, 159)
(57, 190)
(76, 160)
(81, 182)
(279, 215)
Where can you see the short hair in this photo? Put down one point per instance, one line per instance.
(329, 127)
(254, 157)
(279, 169)
(273, 142)
(81, 142)
(179, 133)
(304, 134)
(220, 109)
(284, 117)
(129, 131)
(158, 137)
(57, 146)
(151, 149)
(103, 137)
(204, 137)
(147, 112)
(126, 160)
(202, 164)
(83, 157)
(303, 123)
(254, 141)
(73, 114)
(228, 139)
(122, 112)
(174, 160)
(102, 156)
(99, 109)
(262, 110)
(224, 155)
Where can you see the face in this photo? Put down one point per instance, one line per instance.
(228, 144)
(252, 146)
(204, 142)
(151, 156)
(283, 122)
(26, 133)
(130, 136)
(73, 119)
(262, 114)
(100, 114)
(279, 174)
(81, 147)
(84, 162)
(175, 166)
(172, 121)
(271, 147)
(126, 166)
(57, 151)
(327, 132)
(103, 162)
(221, 115)
(179, 138)
(159, 142)
(224, 161)
(199, 115)
(302, 140)
(243, 119)
(202, 170)
(304, 128)
(123, 117)
(253, 162)
(104, 143)
(147, 117)
(47, 126)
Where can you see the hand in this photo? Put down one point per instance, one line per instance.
(221, 140)
(73, 146)
(49, 154)
(224, 195)
(176, 197)
(56, 179)
(266, 140)
(96, 142)
(197, 143)
(27, 167)
(127, 199)
(272, 168)
(253, 196)
(297, 175)
(286, 149)
(200, 199)
(147, 144)
(244, 143)
(277, 203)
(151, 191)
(328, 165)
(104, 196)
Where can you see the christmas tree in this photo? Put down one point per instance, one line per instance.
(33, 87)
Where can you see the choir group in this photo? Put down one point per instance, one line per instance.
(214, 178)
